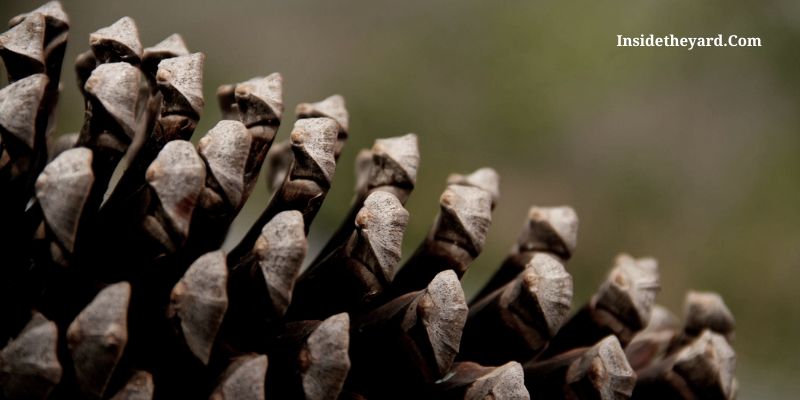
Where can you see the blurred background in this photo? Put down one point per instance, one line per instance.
(692, 157)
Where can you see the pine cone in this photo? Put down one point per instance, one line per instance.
(128, 296)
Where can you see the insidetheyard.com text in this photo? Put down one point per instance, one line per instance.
(689, 43)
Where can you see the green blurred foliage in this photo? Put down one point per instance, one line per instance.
(689, 156)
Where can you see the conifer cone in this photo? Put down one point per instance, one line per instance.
(134, 298)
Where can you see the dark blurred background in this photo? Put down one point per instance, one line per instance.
(689, 156)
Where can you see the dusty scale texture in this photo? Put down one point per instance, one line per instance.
(29, 364)
(97, 338)
(390, 166)
(453, 242)
(114, 283)
(281, 250)
(517, 321)
(62, 190)
(176, 175)
(550, 230)
(361, 269)
(199, 301)
(323, 360)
